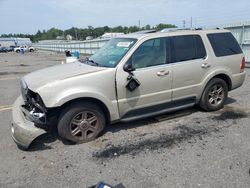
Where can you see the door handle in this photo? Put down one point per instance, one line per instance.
(205, 66)
(162, 73)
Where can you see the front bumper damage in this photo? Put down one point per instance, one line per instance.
(23, 130)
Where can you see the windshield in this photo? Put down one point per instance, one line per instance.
(112, 52)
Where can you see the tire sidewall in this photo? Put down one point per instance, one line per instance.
(70, 112)
(205, 97)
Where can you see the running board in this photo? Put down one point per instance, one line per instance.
(151, 111)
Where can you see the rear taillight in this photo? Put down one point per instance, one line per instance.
(243, 65)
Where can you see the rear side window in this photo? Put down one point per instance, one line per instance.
(224, 44)
(188, 47)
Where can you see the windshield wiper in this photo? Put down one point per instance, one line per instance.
(93, 62)
(90, 62)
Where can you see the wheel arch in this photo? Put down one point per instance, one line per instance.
(90, 100)
(226, 78)
(222, 75)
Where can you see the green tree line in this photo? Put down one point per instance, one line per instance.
(81, 34)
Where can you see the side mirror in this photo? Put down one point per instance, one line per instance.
(128, 67)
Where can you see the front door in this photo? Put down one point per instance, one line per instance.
(154, 74)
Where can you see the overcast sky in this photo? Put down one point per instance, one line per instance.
(27, 16)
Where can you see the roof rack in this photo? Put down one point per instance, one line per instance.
(173, 29)
(180, 29)
(186, 29)
(145, 31)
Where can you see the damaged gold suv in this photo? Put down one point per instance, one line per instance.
(131, 77)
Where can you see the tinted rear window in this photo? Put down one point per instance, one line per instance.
(188, 47)
(224, 44)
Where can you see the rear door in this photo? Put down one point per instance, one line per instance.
(190, 65)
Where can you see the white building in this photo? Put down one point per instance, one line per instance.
(111, 35)
(6, 42)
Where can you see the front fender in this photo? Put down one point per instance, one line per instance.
(68, 95)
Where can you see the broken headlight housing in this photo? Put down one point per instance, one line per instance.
(24, 89)
(34, 105)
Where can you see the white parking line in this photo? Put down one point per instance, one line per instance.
(9, 78)
(5, 107)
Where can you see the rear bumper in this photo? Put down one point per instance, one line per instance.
(238, 80)
(23, 131)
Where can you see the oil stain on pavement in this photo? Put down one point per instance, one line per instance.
(231, 113)
(182, 134)
(178, 135)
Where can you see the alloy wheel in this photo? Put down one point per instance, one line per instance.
(84, 125)
(216, 95)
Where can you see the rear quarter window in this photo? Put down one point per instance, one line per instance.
(224, 44)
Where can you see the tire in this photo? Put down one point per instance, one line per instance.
(214, 95)
(81, 122)
(31, 50)
(17, 51)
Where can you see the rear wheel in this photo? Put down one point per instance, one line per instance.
(31, 50)
(214, 95)
(17, 51)
(81, 122)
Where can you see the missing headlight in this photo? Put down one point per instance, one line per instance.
(24, 89)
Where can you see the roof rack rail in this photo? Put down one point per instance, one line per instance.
(174, 29)
(145, 31)
(180, 29)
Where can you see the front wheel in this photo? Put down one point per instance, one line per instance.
(214, 95)
(81, 122)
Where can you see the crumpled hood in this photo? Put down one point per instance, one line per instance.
(42, 77)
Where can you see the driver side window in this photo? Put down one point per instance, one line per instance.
(150, 53)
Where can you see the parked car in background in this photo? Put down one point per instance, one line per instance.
(3, 49)
(11, 48)
(131, 77)
(24, 48)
